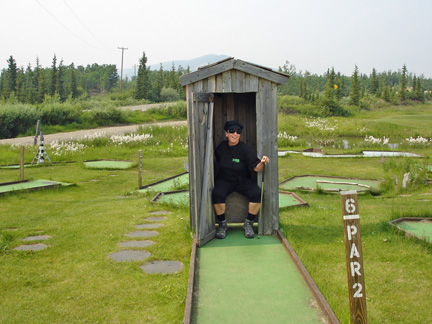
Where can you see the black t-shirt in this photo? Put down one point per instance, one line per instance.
(234, 162)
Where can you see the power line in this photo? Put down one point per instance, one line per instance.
(70, 31)
(76, 16)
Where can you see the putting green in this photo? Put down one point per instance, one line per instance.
(17, 166)
(241, 280)
(286, 199)
(167, 184)
(337, 183)
(28, 185)
(176, 198)
(107, 164)
(422, 229)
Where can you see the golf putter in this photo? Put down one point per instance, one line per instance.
(262, 194)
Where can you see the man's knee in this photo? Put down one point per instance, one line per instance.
(218, 195)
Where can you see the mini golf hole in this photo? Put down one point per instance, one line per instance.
(420, 228)
(160, 266)
(129, 255)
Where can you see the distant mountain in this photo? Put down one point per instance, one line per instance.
(193, 64)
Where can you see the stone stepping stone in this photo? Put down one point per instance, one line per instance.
(129, 255)
(155, 219)
(142, 234)
(136, 244)
(161, 266)
(31, 247)
(151, 225)
(36, 238)
(160, 212)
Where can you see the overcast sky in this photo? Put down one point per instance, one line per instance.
(313, 35)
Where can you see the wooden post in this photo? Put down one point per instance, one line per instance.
(22, 163)
(354, 256)
(140, 170)
(37, 132)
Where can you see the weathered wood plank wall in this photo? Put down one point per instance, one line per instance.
(247, 93)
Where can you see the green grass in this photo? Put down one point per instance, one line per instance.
(75, 281)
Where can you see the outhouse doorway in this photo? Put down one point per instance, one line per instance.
(228, 90)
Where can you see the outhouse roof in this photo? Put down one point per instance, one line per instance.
(233, 64)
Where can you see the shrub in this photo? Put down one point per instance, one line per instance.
(16, 119)
(106, 116)
(179, 111)
(59, 114)
(395, 170)
(169, 94)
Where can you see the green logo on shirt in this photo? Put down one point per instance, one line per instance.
(236, 160)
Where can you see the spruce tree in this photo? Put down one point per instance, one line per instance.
(60, 88)
(374, 82)
(42, 86)
(403, 84)
(142, 89)
(29, 86)
(328, 102)
(159, 82)
(73, 83)
(54, 76)
(20, 87)
(355, 89)
(36, 73)
(11, 77)
(419, 92)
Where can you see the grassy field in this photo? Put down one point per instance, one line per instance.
(75, 281)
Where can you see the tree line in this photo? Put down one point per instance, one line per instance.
(35, 84)
(393, 87)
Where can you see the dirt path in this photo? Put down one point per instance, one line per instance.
(148, 106)
(77, 135)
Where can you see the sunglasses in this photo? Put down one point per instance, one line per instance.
(234, 130)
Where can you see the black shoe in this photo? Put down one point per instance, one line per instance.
(221, 232)
(248, 228)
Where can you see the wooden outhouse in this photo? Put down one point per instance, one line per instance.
(227, 90)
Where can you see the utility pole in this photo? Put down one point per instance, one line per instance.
(121, 73)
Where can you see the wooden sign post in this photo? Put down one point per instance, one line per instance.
(140, 170)
(354, 256)
(22, 163)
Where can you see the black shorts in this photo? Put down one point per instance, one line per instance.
(247, 187)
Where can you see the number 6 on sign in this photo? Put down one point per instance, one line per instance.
(350, 206)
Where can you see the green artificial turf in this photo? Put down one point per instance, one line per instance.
(173, 183)
(419, 229)
(28, 185)
(243, 280)
(107, 164)
(311, 181)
